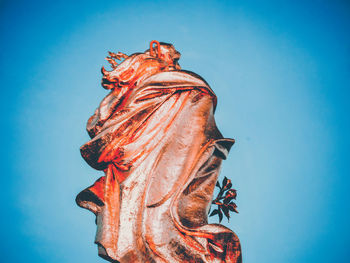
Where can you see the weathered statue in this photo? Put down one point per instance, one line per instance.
(155, 138)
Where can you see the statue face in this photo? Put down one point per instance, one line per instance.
(92, 197)
(102, 198)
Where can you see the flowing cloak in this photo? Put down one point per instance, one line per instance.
(161, 151)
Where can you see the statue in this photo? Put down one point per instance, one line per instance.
(154, 136)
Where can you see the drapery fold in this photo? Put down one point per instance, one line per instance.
(161, 151)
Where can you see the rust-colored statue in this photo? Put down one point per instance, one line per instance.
(155, 138)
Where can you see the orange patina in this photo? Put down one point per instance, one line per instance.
(155, 138)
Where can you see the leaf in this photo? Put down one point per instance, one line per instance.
(229, 185)
(232, 206)
(214, 212)
(226, 212)
(227, 200)
(219, 197)
(220, 216)
(224, 182)
(218, 184)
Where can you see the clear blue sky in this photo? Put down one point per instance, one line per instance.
(280, 70)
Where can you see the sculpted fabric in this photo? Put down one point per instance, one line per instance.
(155, 138)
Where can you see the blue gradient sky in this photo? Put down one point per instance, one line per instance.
(280, 70)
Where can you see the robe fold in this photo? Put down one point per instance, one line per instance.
(161, 151)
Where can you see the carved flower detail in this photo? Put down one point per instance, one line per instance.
(224, 200)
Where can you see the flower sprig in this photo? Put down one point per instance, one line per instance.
(224, 200)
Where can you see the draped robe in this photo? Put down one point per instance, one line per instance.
(161, 152)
